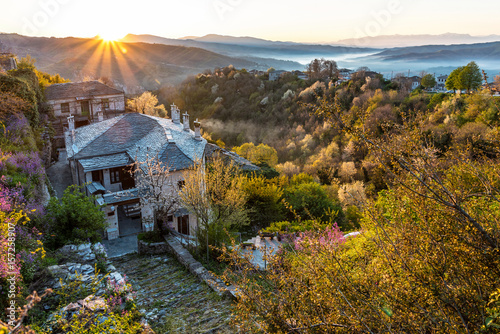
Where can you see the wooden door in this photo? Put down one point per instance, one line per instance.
(183, 224)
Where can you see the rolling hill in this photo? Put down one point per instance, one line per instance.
(131, 64)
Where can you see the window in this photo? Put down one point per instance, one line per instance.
(181, 184)
(85, 107)
(114, 175)
(97, 176)
(105, 104)
(64, 107)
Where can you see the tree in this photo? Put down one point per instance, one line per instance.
(428, 81)
(322, 69)
(310, 201)
(214, 193)
(27, 62)
(330, 69)
(263, 200)
(466, 77)
(454, 80)
(147, 104)
(258, 154)
(470, 77)
(496, 83)
(158, 190)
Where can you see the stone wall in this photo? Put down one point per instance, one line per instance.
(197, 269)
(145, 248)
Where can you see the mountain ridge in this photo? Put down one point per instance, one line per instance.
(397, 40)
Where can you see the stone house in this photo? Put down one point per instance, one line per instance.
(85, 101)
(275, 75)
(7, 62)
(441, 82)
(100, 154)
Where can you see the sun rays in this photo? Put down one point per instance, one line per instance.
(107, 57)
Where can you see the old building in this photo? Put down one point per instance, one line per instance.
(7, 62)
(100, 154)
(441, 82)
(85, 101)
(275, 75)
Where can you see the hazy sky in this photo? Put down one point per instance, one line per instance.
(286, 20)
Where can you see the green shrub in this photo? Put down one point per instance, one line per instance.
(296, 226)
(75, 219)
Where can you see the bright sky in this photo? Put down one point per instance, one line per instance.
(285, 20)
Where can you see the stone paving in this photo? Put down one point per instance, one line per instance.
(121, 246)
(60, 175)
(173, 300)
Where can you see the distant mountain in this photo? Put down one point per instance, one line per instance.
(131, 64)
(433, 53)
(250, 41)
(242, 47)
(391, 41)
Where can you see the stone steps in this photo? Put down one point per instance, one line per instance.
(173, 300)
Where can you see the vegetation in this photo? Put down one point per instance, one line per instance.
(75, 219)
(22, 177)
(465, 78)
(32, 230)
(427, 260)
(428, 81)
(147, 104)
(416, 173)
(215, 195)
(158, 190)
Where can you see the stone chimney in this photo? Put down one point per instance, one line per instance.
(175, 114)
(71, 123)
(197, 130)
(185, 121)
(71, 126)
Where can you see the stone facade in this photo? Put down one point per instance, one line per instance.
(107, 103)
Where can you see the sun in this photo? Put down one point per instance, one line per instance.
(110, 36)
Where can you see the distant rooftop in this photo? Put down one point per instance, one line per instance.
(79, 89)
(7, 61)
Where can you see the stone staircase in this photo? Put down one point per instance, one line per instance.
(173, 300)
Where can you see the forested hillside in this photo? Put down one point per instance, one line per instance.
(237, 107)
(420, 172)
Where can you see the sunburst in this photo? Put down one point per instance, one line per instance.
(110, 36)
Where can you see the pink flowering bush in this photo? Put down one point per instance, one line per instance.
(21, 246)
(120, 294)
(330, 237)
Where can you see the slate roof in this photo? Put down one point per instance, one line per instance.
(105, 162)
(79, 89)
(121, 196)
(96, 187)
(123, 139)
(172, 153)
